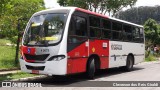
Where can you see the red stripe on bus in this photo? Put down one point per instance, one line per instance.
(104, 62)
(78, 57)
(76, 65)
(24, 50)
(92, 13)
(28, 50)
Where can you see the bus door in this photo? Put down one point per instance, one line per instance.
(77, 47)
(98, 45)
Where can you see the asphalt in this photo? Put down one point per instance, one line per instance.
(143, 72)
(146, 71)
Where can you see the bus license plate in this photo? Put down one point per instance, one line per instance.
(35, 71)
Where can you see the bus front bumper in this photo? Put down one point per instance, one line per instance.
(47, 68)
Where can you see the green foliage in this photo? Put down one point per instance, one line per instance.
(100, 6)
(114, 6)
(140, 14)
(152, 31)
(3, 6)
(15, 10)
(13, 39)
(150, 58)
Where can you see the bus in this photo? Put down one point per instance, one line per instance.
(70, 40)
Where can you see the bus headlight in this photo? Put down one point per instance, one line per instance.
(56, 58)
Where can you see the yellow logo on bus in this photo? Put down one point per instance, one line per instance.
(35, 24)
(50, 38)
(93, 49)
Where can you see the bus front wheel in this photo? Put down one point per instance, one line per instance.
(91, 68)
(129, 63)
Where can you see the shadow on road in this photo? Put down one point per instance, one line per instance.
(72, 80)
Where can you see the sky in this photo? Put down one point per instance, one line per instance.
(53, 3)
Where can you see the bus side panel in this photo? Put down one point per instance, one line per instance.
(77, 59)
(100, 48)
(104, 62)
(76, 65)
(69, 66)
(120, 50)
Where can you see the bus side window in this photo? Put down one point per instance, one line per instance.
(116, 31)
(80, 26)
(94, 21)
(127, 33)
(95, 31)
(77, 30)
(106, 31)
(141, 35)
(136, 34)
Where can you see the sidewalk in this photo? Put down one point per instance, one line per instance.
(2, 73)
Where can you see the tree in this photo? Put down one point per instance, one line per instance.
(3, 6)
(99, 6)
(151, 31)
(15, 10)
(113, 6)
(140, 14)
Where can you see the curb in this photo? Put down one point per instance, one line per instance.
(12, 69)
(28, 78)
(3, 73)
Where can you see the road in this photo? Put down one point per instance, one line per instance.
(146, 71)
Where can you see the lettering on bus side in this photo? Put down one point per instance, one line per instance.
(116, 47)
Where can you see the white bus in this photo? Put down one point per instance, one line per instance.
(71, 40)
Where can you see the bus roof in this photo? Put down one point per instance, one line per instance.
(115, 19)
(89, 12)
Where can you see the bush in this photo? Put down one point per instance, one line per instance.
(13, 39)
(150, 58)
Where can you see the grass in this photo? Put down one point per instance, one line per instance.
(17, 75)
(150, 58)
(7, 57)
(3, 42)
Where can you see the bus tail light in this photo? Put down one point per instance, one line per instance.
(56, 58)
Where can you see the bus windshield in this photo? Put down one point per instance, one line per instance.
(45, 29)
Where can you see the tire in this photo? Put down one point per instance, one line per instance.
(129, 63)
(56, 76)
(91, 68)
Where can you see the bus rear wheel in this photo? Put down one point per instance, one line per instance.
(91, 68)
(129, 63)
